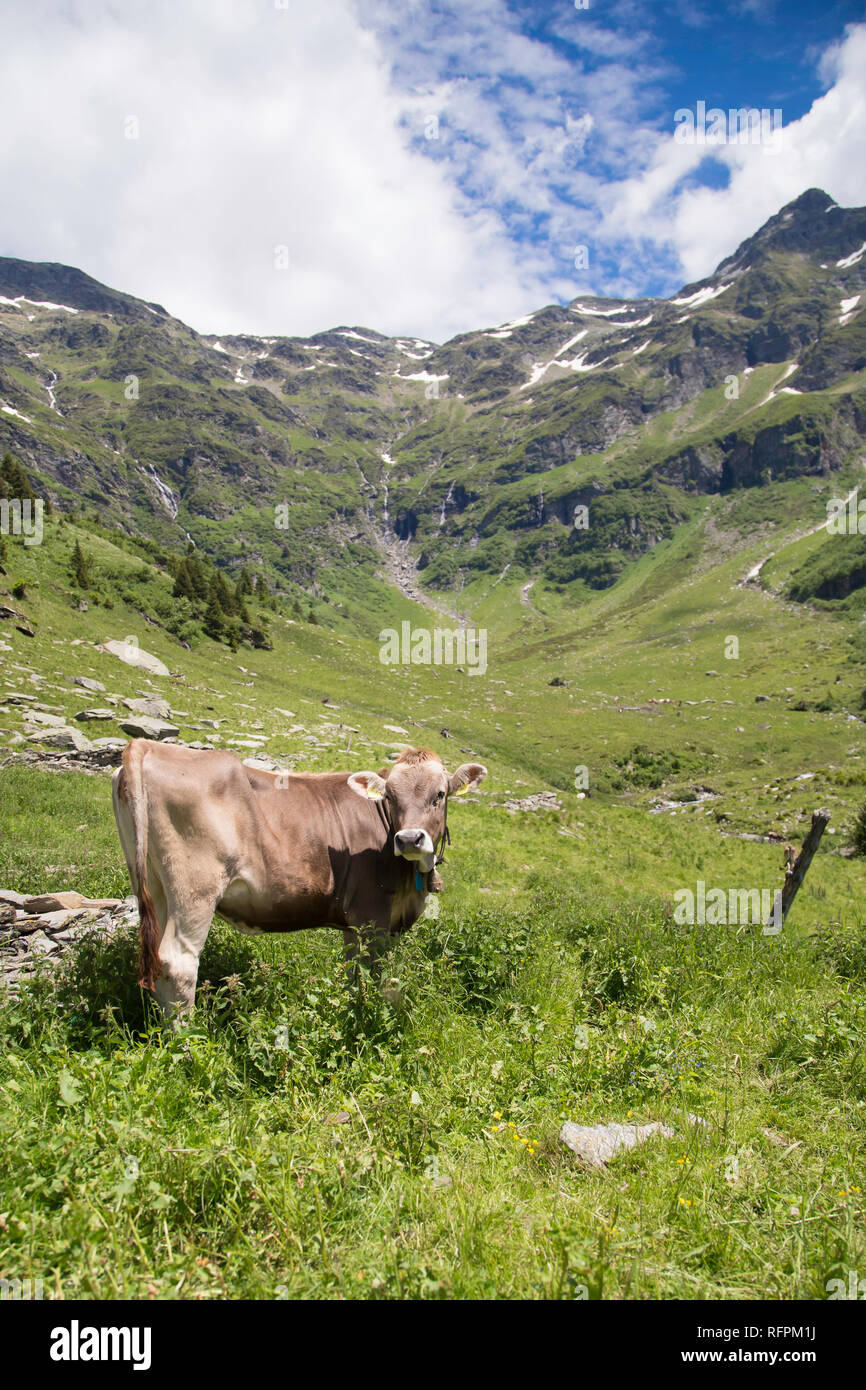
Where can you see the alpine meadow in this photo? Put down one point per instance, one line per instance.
(612, 552)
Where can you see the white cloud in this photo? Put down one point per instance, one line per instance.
(305, 127)
(825, 148)
(259, 127)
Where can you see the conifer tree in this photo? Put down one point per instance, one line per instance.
(82, 567)
(221, 594)
(13, 480)
(244, 586)
(214, 622)
(183, 584)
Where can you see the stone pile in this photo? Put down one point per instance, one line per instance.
(92, 759)
(37, 929)
(541, 801)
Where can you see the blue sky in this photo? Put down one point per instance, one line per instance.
(514, 78)
(425, 166)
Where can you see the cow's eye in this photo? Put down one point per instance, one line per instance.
(440, 796)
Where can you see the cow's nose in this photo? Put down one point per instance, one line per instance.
(405, 838)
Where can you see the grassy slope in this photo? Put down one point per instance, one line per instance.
(553, 984)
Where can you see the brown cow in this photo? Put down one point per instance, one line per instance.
(202, 833)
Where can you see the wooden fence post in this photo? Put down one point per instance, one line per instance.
(795, 873)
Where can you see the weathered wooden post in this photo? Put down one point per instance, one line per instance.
(796, 872)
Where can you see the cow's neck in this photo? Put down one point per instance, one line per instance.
(398, 875)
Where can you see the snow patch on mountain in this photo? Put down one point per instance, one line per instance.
(571, 342)
(10, 410)
(779, 389)
(597, 313)
(422, 376)
(694, 301)
(515, 323)
(848, 306)
(37, 303)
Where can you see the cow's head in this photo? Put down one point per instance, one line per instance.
(415, 793)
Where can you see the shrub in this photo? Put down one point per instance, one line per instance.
(484, 952)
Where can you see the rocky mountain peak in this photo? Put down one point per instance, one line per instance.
(64, 285)
(812, 224)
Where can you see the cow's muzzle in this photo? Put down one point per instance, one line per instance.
(415, 845)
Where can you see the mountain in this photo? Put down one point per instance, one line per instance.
(329, 460)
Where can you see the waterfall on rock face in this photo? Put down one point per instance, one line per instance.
(52, 399)
(387, 459)
(169, 500)
(445, 500)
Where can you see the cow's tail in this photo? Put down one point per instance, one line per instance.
(149, 966)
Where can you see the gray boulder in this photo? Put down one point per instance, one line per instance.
(145, 727)
(63, 738)
(65, 901)
(43, 944)
(152, 705)
(49, 721)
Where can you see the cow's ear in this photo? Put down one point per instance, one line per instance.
(368, 784)
(466, 779)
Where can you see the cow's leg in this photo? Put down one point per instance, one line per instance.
(184, 934)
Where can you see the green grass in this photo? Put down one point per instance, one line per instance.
(291, 1145)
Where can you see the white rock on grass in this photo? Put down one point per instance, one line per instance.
(87, 684)
(594, 1145)
(136, 656)
(89, 716)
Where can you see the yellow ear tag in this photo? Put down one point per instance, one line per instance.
(374, 795)
(462, 790)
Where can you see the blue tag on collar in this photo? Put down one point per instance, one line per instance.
(419, 881)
